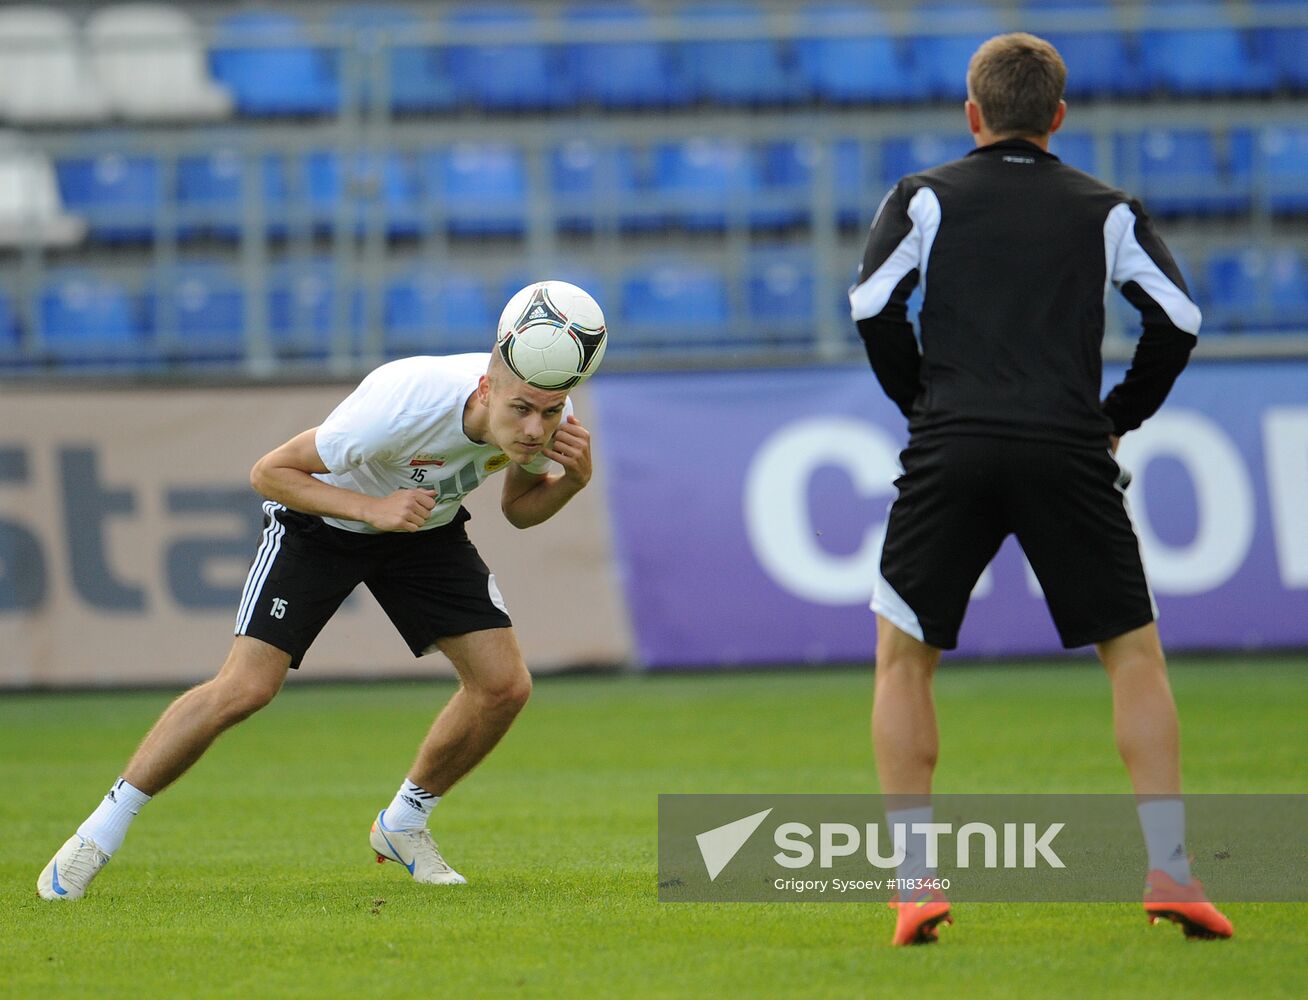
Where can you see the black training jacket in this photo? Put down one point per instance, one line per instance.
(1015, 250)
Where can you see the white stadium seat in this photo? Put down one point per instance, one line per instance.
(152, 65)
(44, 77)
(31, 211)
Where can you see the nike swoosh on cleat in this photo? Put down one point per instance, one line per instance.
(54, 881)
(409, 865)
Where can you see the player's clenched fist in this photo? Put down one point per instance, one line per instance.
(571, 449)
(403, 510)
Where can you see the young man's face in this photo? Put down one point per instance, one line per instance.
(522, 418)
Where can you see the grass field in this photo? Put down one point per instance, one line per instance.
(252, 877)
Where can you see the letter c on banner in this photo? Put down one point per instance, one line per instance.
(1224, 499)
(777, 518)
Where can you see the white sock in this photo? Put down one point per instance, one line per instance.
(1163, 823)
(914, 865)
(107, 826)
(410, 807)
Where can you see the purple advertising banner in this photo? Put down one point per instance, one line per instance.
(749, 506)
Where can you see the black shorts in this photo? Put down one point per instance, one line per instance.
(960, 497)
(431, 584)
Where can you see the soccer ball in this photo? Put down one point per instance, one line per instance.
(552, 335)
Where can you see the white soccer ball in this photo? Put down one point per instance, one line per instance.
(552, 335)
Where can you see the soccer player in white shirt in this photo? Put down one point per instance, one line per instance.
(373, 495)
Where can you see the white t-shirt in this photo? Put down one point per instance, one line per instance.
(402, 428)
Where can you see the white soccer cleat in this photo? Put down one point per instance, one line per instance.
(415, 850)
(71, 869)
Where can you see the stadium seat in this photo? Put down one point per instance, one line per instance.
(477, 189)
(939, 58)
(1282, 168)
(1253, 289)
(198, 312)
(1077, 149)
(849, 58)
(748, 70)
(704, 183)
(1214, 58)
(913, 154)
(362, 188)
(509, 70)
(11, 336)
(31, 210)
(1187, 171)
(119, 196)
(151, 64)
(860, 181)
(1098, 56)
(211, 194)
(46, 78)
(786, 177)
(780, 292)
(1282, 48)
(433, 310)
(87, 317)
(638, 72)
(671, 304)
(304, 314)
(406, 78)
(602, 186)
(267, 62)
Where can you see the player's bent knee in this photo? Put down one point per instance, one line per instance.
(509, 694)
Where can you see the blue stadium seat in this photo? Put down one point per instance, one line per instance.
(1187, 171)
(780, 290)
(735, 71)
(478, 189)
(784, 193)
(913, 154)
(672, 304)
(437, 311)
(211, 193)
(855, 61)
(1253, 289)
(367, 185)
(198, 312)
(1283, 168)
(939, 61)
(621, 74)
(1098, 57)
(512, 73)
(416, 79)
(303, 308)
(1214, 59)
(1282, 49)
(1076, 149)
(119, 196)
(289, 77)
(600, 186)
(703, 183)
(860, 181)
(88, 317)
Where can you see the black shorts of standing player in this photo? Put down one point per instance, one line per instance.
(960, 497)
(430, 583)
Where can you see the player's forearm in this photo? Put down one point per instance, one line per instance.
(300, 491)
(541, 502)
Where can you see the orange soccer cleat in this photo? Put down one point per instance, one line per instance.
(1167, 899)
(919, 917)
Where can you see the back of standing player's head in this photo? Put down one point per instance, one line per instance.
(1017, 81)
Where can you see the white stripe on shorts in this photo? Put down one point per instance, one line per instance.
(263, 560)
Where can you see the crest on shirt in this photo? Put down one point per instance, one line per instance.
(423, 458)
(496, 462)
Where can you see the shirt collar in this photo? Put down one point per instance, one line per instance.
(1013, 145)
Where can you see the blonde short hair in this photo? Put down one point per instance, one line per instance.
(1017, 80)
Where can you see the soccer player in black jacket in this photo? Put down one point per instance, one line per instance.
(1008, 435)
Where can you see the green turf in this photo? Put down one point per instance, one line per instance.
(252, 877)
